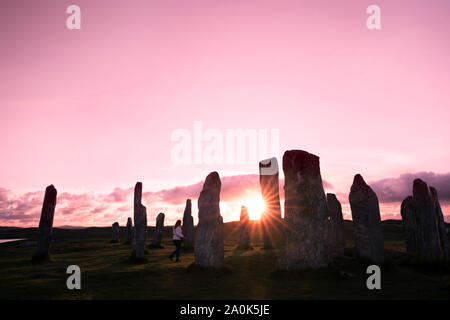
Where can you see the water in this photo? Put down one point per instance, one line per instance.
(9, 240)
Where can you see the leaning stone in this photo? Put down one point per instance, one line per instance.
(46, 224)
(209, 250)
(306, 213)
(366, 221)
(157, 235)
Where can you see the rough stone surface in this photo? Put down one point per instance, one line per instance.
(441, 228)
(336, 235)
(306, 214)
(157, 235)
(209, 250)
(46, 223)
(140, 223)
(115, 232)
(188, 225)
(271, 217)
(366, 221)
(129, 231)
(244, 230)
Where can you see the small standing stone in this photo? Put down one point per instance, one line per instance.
(140, 223)
(366, 221)
(157, 235)
(115, 232)
(209, 250)
(336, 236)
(306, 214)
(188, 225)
(129, 231)
(244, 230)
(271, 217)
(46, 224)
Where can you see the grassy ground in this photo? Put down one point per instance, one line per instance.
(107, 274)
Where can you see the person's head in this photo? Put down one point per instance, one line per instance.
(178, 223)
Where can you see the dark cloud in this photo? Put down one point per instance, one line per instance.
(396, 189)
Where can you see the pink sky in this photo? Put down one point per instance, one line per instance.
(92, 111)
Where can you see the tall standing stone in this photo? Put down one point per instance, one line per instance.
(129, 231)
(115, 232)
(410, 224)
(46, 224)
(421, 222)
(244, 230)
(157, 235)
(208, 250)
(140, 223)
(366, 221)
(336, 236)
(305, 213)
(188, 225)
(442, 232)
(271, 217)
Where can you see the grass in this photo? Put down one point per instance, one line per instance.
(106, 271)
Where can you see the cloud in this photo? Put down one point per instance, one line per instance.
(88, 209)
(396, 189)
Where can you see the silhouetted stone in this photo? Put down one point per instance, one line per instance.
(421, 219)
(129, 231)
(115, 232)
(336, 236)
(46, 224)
(244, 230)
(441, 228)
(209, 251)
(188, 225)
(420, 216)
(271, 217)
(140, 223)
(305, 214)
(157, 235)
(410, 224)
(366, 221)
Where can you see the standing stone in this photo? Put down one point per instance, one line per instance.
(140, 223)
(366, 221)
(420, 222)
(129, 231)
(336, 236)
(271, 217)
(208, 250)
(46, 224)
(442, 232)
(157, 235)
(306, 213)
(410, 224)
(188, 225)
(244, 230)
(115, 232)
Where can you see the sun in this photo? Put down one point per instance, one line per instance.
(255, 207)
